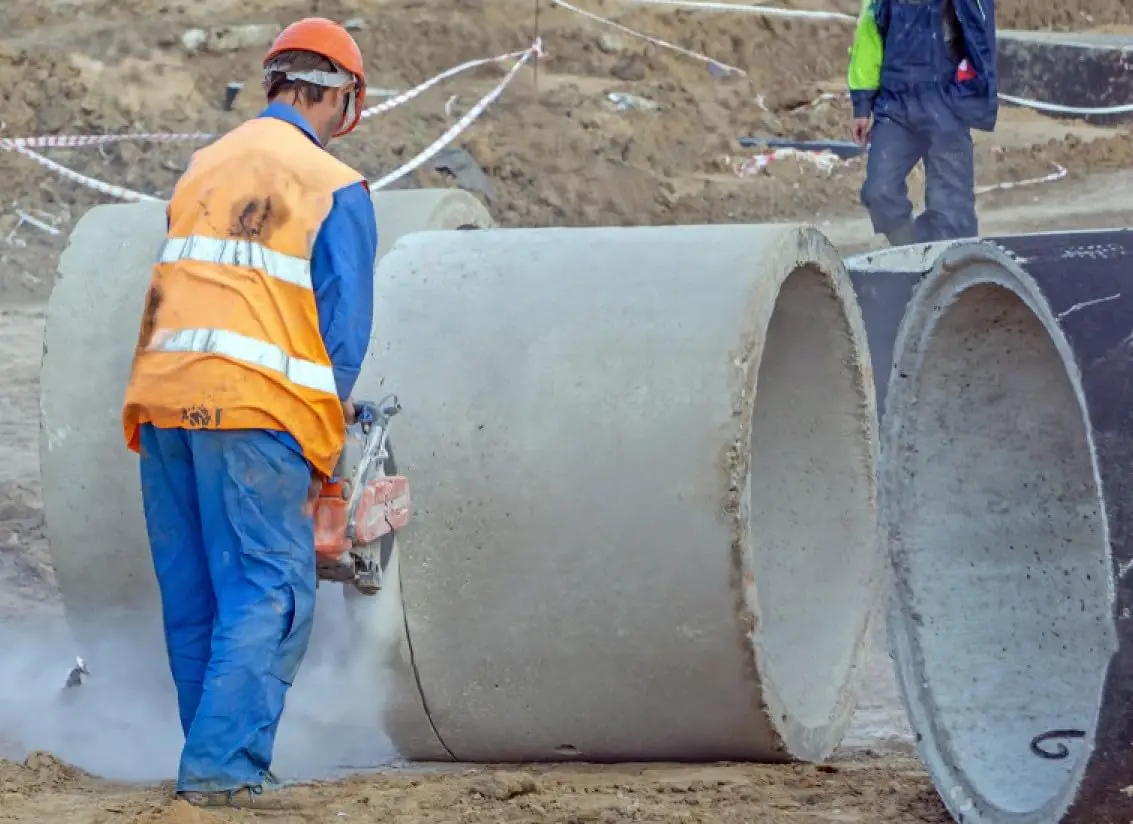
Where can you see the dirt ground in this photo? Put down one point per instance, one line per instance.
(557, 152)
(46, 790)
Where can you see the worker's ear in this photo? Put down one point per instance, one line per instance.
(340, 98)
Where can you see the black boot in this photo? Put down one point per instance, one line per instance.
(902, 236)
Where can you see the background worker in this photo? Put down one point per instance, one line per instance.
(254, 330)
(924, 72)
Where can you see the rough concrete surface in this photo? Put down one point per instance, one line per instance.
(1007, 417)
(399, 213)
(615, 517)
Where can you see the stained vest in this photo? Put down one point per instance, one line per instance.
(230, 335)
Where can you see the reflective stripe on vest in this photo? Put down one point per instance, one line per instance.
(305, 373)
(233, 252)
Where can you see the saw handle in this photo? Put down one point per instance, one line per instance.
(367, 413)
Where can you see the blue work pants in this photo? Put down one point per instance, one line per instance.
(233, 551)
(913, 126)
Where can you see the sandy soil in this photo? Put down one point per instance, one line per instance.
(557, 153)
(847, 791)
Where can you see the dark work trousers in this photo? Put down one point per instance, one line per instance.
(919, 126)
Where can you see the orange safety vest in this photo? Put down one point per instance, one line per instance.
(230, 335)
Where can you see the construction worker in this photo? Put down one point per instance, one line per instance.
(254, 330)
(923, 71)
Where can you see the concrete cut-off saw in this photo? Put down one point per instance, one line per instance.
(360, 508)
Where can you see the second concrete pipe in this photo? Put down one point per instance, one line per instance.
(90, 485)
(1007, 446)
(643, 463)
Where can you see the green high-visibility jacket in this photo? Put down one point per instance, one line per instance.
(866, 55)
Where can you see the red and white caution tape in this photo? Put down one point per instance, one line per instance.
(119, 192)
(463, 123)
(395, 99)
(26, 145)
(767, 11)
(63, 141)
(30, 220)
(404, 97)
(826, 162)
(1058, 173)
(36, 222)
(657, 41)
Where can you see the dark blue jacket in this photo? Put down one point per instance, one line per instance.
(920, 50)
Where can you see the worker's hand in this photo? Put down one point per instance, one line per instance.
(348, 411)
(859, 131)
(314, 487)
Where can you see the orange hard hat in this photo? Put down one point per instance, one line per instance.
(330, 40)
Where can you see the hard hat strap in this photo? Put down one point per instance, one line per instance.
(329, 80)
(348, 111)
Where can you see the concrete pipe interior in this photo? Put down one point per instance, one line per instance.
(643, 470)
(1001, 626)
(806, 484)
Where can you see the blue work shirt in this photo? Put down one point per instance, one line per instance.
(342, 272)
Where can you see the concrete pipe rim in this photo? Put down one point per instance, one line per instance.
(812, 447)
(960, 529)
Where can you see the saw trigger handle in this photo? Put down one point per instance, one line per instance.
(365, 413)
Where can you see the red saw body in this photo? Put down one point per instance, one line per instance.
(359, 511)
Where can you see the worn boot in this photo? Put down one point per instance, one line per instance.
(902, 236)
(242, 798)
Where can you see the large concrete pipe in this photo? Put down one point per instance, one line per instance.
(413, 210)
(90, 485)
(643, 469)
(1005, 482)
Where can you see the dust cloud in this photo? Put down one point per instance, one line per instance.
(121, 723)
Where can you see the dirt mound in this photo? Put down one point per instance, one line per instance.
(557, 149)
(40, 772)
